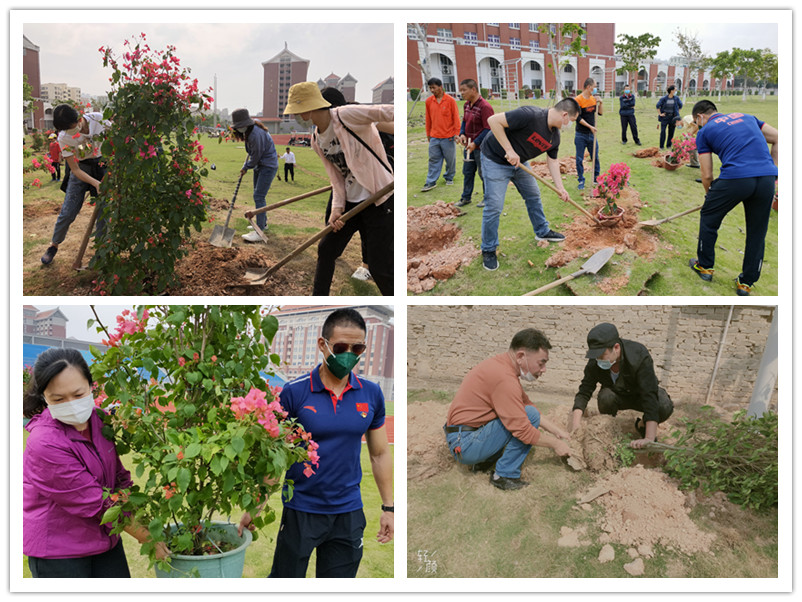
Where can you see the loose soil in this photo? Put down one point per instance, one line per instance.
(652, 151)
(433, 252)
(567, 166)
(583, 238)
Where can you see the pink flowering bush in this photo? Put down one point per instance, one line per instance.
(152, 190)
(185, 390)
(681, 149)
(610, 184)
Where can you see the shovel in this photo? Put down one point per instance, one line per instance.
(250, 214)
(528, 170)
(223, 235)
(78, 263)
(591, 266)
(657, 222)
(258, 277)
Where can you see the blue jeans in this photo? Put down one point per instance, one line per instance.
(479, 445)
(440, 149)
(73, 201)
(496, 179)
(584, 141)
(469, 170)
(262, 179)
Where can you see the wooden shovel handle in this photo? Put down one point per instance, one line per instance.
(305, 195)
(528, 170)
(76, 265)
(552, 285)
(359, 208)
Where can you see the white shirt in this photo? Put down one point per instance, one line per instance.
(84, 146)
(288, 157)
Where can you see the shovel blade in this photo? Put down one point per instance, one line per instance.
(597, 260)
(255, 275)
(221, 236)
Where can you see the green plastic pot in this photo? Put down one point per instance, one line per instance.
(227, 564)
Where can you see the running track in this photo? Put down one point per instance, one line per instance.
(389, 422)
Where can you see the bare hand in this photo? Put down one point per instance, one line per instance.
(162, 551)
(463, 140)
(564, 195)
(513, 158)
(592, 128)
(386, 527)
(243, 171)
(639, 443)
(334, 219)
(249, 214)
(561, 448)
(471, 147)
(245, 523)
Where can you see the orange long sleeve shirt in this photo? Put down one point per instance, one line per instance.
(442, 118)
(491, 390)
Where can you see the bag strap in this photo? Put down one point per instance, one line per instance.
(372, 152)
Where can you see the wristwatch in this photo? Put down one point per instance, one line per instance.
(388, 508)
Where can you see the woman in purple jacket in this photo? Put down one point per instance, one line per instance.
(67, 464)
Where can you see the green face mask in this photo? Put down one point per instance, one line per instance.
(341, 364)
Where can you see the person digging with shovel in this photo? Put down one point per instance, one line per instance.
(492, 424)
(628, 382)
(262, 159)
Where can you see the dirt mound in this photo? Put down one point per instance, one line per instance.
(432, 250)
(41, 209)
(652, 151)
(427, 452)
(209, 270)
(583, 238)
(541, 168)
(643, 507)
(218, 204)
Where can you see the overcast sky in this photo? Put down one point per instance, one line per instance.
(234, 51)
(714, 37)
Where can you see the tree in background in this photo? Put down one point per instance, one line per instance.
(746, 65)
(634, 52)
(767, 72)
(560, 53)
(722, 68)
(690, 49)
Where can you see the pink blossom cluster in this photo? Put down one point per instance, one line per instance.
(151, 152)
(612, 182)
(127, 323)
(267, 414)
(681, 149)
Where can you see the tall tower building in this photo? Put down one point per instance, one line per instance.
(281, 72)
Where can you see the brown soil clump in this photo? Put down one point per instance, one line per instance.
(652, 151)
(582, 238)
(41, 209)
(432, 251)
(210, 270)
(541, 168)
(427, 452)
(644, 507)
(610, 286)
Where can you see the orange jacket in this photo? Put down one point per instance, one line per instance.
(442, 118)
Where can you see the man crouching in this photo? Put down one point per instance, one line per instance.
(492, 422)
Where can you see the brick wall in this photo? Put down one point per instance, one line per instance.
(444, 342)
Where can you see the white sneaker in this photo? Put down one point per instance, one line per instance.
(252, 237)
(361, 273)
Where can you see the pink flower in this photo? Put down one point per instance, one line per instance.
(181, 361)
(308, 472)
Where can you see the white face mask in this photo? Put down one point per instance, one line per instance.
(73, 131)
(527, 376)
(74, 412)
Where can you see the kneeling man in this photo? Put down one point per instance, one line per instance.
(626, 372)
(491, 420)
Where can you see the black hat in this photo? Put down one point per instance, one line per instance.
(601, 337)
(241, 119)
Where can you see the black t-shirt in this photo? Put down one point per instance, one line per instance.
(529, 134)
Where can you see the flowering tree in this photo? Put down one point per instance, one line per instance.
(681, 149)
(610, 184)
(152, 191)
(186, 397)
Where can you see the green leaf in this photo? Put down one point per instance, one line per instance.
(269, 327)
(184, 477)
(110, 515)
(238, 443)
(194, 377)
(193, 449)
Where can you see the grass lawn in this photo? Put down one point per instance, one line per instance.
(377, 560)
(664, 193)
(289, 226)
(460, 526)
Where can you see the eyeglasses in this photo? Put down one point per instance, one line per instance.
(337, 348)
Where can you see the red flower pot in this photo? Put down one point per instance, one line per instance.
(670, 166)
(609, 220)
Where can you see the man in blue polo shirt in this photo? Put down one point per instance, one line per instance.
(324, 511)
(748, 172)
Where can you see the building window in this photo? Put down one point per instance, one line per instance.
(515, 26)
(515, 43)
(493, 41)
(552, 29)
(534, 45)
(493, 24)
(470, 38)
(444, 36)
(412, 32)
(533, 27)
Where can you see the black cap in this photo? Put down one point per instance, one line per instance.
(601, 337)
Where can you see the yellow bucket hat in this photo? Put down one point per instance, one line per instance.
(305, 97)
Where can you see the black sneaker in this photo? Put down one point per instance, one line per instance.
(489, 260)
(428, 187)
(638, 143)
(47, 258)
(507, 484)
(694, 166)
(551, 236)
(463, 202)
(705, 274)
(699, 180)
(489, 464)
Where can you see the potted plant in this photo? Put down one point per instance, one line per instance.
(609, 186)
(680, 153)
(186, 396)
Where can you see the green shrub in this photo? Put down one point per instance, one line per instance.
(738, 458)
(413, 93)
(485, 93)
